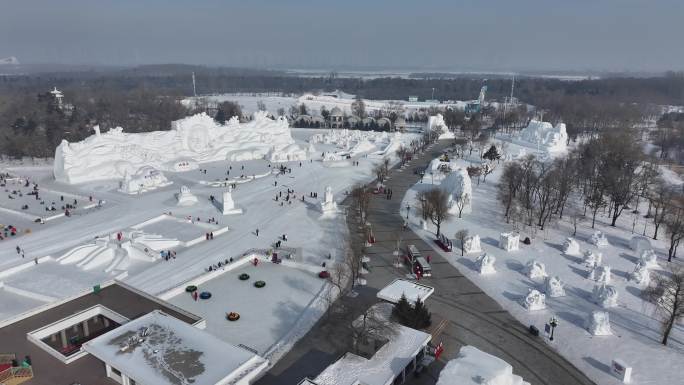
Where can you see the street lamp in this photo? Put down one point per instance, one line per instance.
(408, 207)
(553, 323)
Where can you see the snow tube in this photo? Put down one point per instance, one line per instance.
(259, 284)
(205, 295)
(243, 276)
(191, 288)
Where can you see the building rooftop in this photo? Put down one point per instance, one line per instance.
(49, 370)
(162, 350)
(412, 290)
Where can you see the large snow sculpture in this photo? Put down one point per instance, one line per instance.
(598, 239)
(600, 274)
(485, 264)
(436, 123)
(553, 287)
(571, 247)
(592, 259)
(649, 258)
(641, 274)
(227, 203)
(146, 178)
(534, 300)
(457, 185)
(192, 140)
(639, 243)
(509, 241)
(535, 270)
(604, 295)
(598, 323)
(328, 206)
(545, 136)
(471, 244)
(185, 197)
(473, 366)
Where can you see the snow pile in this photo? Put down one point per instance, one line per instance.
(547, 137)
(485, 264)
(553, 287)
(592, 259)
(328, 206)
(457, 185)
(185, 197)
(534, 300)
(146, 178)
(571, 247)
(600, 274)
(604, 295)
(509, 241)
(599, 239)
(192, 140)
(641, 274)
(436, 123)
(598, 323)
(475, 367)
(639, 244)
(471, 244)
(535, 270)
(649, 258)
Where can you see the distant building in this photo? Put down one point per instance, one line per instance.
(58, 98)
(336, 118)
(412, 99)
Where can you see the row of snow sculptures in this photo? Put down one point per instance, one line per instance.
(185, 197)
(553, 287)
(604, 295)
(600, 274)
(598, 323)
(535, 270)
(328, 206)
(592, 259)
(509, 241)
(485, 264)
(228, 205)
(571, 247)
(599, 239)
(534, 300)
(471, 244)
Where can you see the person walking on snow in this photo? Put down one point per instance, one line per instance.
(257, 232)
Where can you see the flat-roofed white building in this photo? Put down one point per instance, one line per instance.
(411, 290)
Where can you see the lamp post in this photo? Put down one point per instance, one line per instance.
(553, 323)
(408, 208)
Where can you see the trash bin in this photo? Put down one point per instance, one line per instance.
(534, 331)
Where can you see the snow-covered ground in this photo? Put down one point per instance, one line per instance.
(636, 338)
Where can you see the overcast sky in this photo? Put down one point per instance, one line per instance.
(504, 35)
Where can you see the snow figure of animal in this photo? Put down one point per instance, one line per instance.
(592, 259)
(535, 270)
(485, 264)
(534, 300)
(641, 274)
(571, 247)
(604, 295)
(509, 241)
(471, 244)
(457, 185)
(553, 287)
(598, 323)
(649, 258)
(598, 239)
(600, 274)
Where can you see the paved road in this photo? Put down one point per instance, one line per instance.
(462, 313)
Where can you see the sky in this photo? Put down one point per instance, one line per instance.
(495, 35)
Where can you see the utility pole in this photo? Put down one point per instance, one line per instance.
(194, 89)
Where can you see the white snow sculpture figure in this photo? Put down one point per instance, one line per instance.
(146, 178)
(641, 275)
(604, 295)
(553, 287)
(598, 239)
(546, 137)
(436, 123)
(471, 244)
(535, 270)
(473, 366)
(571, 247)
(228, 205)
(639, 243)
(509, 241)
(534, 300)
(649, 258)
(185, 197)
(328, 205)
(592, 259)
(598, 323)
(485, 264)
(600, 274)
(457, 185)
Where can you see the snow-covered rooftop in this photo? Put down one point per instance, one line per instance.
(380, 369)
(160, 349)
(412, 290)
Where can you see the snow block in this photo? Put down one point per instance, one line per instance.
(604, 295)
(535, 270)
(472, 244)
(534, 300)
(598, 323)
(485, 264)
(553, 287)
(571, 247)
(509, 241)
(599, 239)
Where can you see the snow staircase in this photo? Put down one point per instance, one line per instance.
(120, 256)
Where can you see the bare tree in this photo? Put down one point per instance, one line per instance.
(674, 222)
(372, 328)
(461, 235)
(361, 196)
(666, 292)
(438, 202)
(660, 199)
(508, 186)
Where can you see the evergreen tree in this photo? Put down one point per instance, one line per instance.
(492, 154)
(416, 316)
